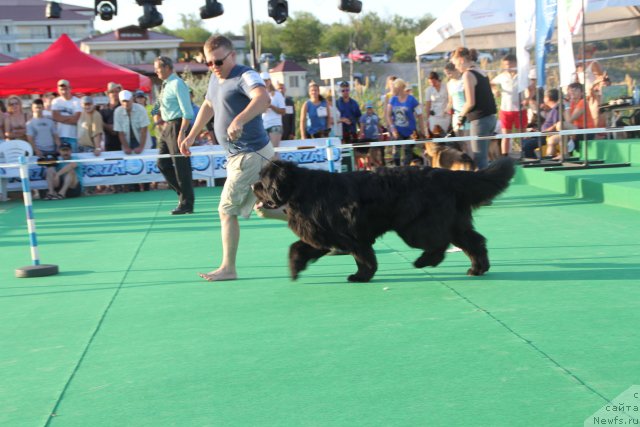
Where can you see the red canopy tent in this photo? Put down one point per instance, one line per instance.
(64, 60)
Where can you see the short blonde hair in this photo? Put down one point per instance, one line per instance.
(399, 83)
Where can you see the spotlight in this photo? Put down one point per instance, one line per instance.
(53, 10)
(278, 10)
(150, 15)
(106, 9)
(353, 6)
(211, 9)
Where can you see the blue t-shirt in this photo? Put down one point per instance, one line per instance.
(403, 116)
(316, 117)
(229, 99)
(553, 117)
(349, 110)
(370, 125)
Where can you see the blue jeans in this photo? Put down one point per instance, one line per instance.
(485, 126)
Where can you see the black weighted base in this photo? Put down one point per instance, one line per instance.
(37, 271)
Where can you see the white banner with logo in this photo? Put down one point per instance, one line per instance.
(116, 168)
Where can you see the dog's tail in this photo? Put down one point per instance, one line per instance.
(481, 187)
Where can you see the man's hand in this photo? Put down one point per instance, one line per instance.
(38, 153)
(184, 143)
(127, 150)
(138, 150)
(234, 131)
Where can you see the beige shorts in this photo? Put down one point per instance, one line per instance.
(243, 171)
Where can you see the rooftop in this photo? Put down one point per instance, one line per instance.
(34, 10)
(287, 66)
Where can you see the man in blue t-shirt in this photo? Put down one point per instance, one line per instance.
(349, 114)
(238, 97)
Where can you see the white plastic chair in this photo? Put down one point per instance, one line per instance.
(10, 152)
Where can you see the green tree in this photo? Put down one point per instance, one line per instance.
(336, 39)
(300, 37)
(191, 30)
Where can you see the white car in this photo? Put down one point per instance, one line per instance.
(486, 56)
(379, 57)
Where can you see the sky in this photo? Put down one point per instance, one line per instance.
(236, 12)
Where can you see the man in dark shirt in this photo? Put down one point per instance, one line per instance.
(289, 117)
(111, 138)
(349, 114)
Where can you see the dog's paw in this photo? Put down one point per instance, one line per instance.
(475, 272)
(358, 279)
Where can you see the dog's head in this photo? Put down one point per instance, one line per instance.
(277, 181)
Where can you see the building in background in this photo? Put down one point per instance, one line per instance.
(6, 60)
(292, 75)
(25, 31)
(131, 45)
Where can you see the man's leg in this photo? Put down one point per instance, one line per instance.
(230, 233)
(52, 180)
(70, 179)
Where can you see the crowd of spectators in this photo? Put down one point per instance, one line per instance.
(465, 104)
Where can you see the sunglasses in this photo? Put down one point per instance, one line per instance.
(345, 90)
(14, 103)
(218, 62)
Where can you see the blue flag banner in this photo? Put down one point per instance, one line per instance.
(545, 20)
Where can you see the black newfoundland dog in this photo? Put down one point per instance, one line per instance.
(428, 208)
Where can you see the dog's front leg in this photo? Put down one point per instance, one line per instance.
(367, 264)
(300, 253)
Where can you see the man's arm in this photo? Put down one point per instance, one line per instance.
(69, 120)
(204, 115)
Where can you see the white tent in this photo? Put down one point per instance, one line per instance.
(490, 24)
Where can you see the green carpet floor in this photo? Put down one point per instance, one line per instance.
(128, 335)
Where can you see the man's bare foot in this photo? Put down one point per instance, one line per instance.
(218, 275)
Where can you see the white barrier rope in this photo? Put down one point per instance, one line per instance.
(356, 145)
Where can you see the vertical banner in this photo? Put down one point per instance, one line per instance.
(525, 40)
(570, 16)
(545, 18)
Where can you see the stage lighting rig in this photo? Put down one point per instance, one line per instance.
(211, 9)
(53, 10)
(106, 9)
(278, 10)
(150, 15)
(353, 6)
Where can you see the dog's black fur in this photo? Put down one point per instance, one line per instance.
(428, 208)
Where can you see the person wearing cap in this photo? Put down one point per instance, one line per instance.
(66, 110)
(176, 112)
(272, 118)
(89, 128)
(349, 113)
(64, 180)
(131, 122)
(140, 98)
(289, 117)
(370, 130)
(237, 96)
(111, 138)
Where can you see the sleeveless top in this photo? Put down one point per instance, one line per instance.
(485, 102)
(316, 117)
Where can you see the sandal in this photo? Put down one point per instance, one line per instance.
(50, 196)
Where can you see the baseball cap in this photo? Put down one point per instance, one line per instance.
(139, 93)
(86, 100)
(65, 146)
(63, 82)
(369, 104)
(344, 83)
(265, 76)
(125, 95)
(112, 86)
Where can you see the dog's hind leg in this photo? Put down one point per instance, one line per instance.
(300, 254)
(474, 246)
(367, 264)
